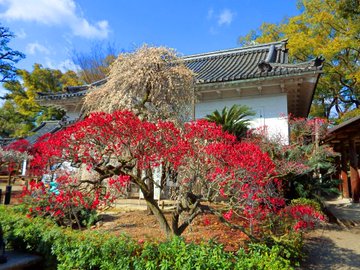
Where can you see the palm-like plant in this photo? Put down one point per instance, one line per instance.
(234, 120)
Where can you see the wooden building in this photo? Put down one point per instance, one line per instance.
(345, 139)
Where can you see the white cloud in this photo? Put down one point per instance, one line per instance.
(210, 14)
(33, 48)
(85, 29)
(68, 65)
(54, 12)
(226, 17)
(64, 66)
(20, 33)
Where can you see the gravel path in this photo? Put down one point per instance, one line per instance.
(333, 247)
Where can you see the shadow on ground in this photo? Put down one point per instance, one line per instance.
(333, 248)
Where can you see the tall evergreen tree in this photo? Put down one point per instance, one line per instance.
(8, 56)
(26, 112)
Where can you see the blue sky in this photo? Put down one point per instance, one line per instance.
(48, 30)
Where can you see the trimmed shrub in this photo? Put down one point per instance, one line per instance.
(63, 248)
(305, 201)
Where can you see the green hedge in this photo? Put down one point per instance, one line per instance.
(64, 248)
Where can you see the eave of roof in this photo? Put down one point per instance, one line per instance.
(344, 125)
(338, 136)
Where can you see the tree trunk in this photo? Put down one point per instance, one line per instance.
(9, 179)
(175, 224)
(150, 186)
(164, 225)
(152, 204)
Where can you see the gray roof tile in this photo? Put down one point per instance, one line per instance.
(44, 128)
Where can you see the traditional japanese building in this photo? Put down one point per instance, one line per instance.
(258, 76)
(345, 139)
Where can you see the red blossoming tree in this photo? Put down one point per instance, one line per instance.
(12, 156)
(205, 163)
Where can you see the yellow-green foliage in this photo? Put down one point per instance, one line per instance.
(21, 99)
(347, 116)
(305, 201)
(330, 28)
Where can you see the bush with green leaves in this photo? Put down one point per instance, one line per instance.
(234, 120)
(63, 248)
(304, 201)
(306, 168)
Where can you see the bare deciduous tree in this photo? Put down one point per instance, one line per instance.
(153, 82)
(95, 64)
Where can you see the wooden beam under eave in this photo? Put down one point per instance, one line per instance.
(349, 132)
(354, 173)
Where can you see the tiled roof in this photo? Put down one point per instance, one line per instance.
(263, 60)
(44, 128)
(6, 141)
(70, 91)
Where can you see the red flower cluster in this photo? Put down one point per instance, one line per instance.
(21, 145)
(228, 215)
(65, 204)
(302, 217)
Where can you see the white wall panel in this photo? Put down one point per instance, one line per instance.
(271, 112)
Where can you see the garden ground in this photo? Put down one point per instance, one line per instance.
(130, 217)
(333, 248)
(336, 245)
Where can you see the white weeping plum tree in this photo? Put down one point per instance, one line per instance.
(152, 82)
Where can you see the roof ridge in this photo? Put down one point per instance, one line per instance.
(317, 61)
(43, 123)
(51, 121)
(233, 50)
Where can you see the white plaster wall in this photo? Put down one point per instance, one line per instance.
(271, 112)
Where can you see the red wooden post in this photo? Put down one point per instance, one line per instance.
(354, 174)
(343, 173)
(337, 173)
